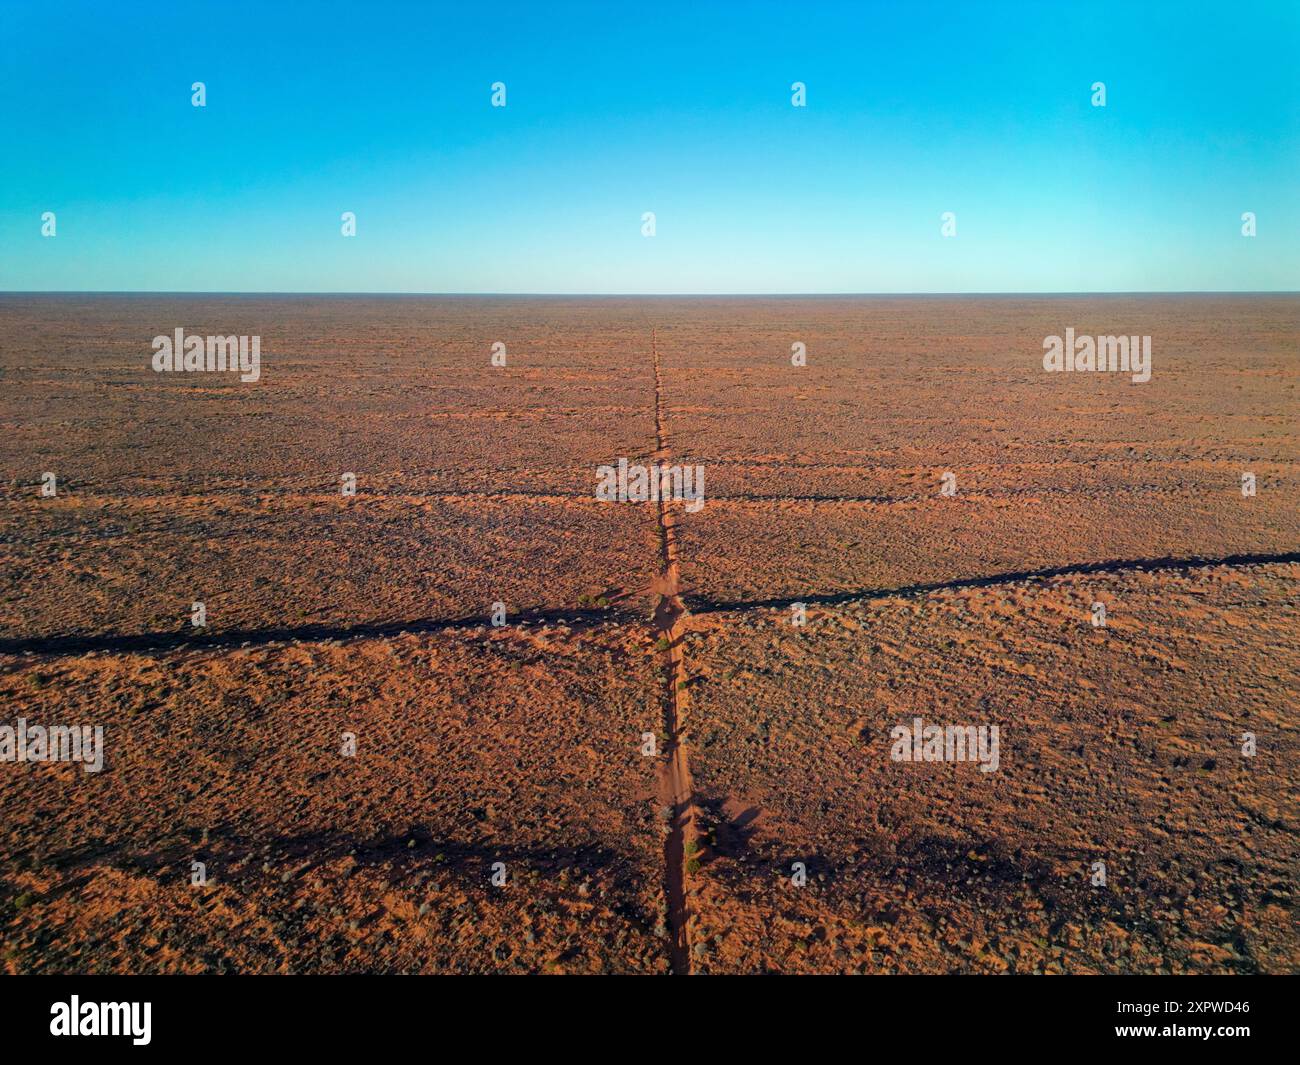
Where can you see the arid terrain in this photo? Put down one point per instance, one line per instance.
(676, 753)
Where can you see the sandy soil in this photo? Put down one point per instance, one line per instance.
(523, 745)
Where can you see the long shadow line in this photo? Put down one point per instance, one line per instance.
(198, 639)
(582, 616)
(707, 606)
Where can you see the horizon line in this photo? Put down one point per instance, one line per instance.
(641, 295)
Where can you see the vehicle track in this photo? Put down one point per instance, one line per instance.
(675, 789)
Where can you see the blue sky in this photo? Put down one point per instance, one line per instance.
(613, 110)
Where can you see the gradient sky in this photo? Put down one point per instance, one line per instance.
(913, 109)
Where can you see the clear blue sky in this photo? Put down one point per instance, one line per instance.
(914, 109)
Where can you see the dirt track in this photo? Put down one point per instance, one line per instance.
(519, 745)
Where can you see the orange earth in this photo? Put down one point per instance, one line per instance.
(678, 752)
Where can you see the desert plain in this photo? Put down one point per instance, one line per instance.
(674, 750)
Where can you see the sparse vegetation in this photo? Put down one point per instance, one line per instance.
(522, 745)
